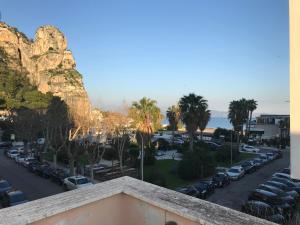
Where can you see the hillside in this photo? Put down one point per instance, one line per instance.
(46, 61)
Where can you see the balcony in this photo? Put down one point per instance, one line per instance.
(123, 201)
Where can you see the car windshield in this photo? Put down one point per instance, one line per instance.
(234, 171)
(4, 184)
(17, 198)
(82, 181)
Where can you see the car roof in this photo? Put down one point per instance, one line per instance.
(258, 203)
(236, 167)
(17, 192)
(3, 181)
(276, 182)
(282, 174)
(77, 177)
(268, 193)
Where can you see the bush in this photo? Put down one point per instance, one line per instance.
(224, 154)
(196, 164)
(157, 178)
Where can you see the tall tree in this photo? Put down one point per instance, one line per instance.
(173, 114)
(252, 106)
(238, 116)
(203, 121)
(192, 108)
(146, 117)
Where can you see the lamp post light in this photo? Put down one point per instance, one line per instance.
(142, 157)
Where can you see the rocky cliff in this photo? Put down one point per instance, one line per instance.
(47, 62)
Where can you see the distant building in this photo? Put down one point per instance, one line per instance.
(268, 127)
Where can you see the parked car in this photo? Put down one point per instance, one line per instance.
(202, 190)
(213, 145)
(249, 148)
(12, 153)
(263, 211)
(27, 161)
(4, 187)
(236, 172)
(58, 176)
(281, 194)
(271, 155)
(248, 167)
(210, 184)
(189, 190)
(288, 177)
(288, 183)
(47, 172)
(221, 169)
(273, 200)
(40, 169)
(282, 186)
(20, 158)
(258, 162)
(75, 182)
(32, 166)
(264, 158)
(221, 179)
(13, 198)
(286, 171)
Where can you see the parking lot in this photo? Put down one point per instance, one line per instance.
(236, 194)
(32, 185)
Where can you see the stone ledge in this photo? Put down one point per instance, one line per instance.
(185, 206)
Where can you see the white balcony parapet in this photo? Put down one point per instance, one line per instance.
(155, 205)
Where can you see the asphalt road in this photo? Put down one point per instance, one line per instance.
(236, 194)
(33, 186)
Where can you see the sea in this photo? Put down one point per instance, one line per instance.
(214, 122)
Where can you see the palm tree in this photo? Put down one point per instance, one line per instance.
(238, 116)
(173, 114)
(204, 121)
(192, 107)
(146, 116)
(252, 105)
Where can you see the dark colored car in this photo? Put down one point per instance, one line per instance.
(33, 165)
(58, 176)
(248, 167)
(47, 171)
(281, 194)
(280, 185)
(288, 183)
(286, 171)
(190, 190)
(211, 185)
(273, 200)
(4, 187)
(258, 163)
(221, 179)
(40, 168)
(263, 211)
(13, 198)
(203, 190)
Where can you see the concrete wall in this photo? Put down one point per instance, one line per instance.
(120, 209)
(294, 8)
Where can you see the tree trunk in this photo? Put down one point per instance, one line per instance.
(55, 160)
(191, 142)
(238, 142)
(249, 124)
(121, 163)
(92, 171)
(72, 167)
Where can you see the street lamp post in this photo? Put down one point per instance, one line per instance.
(231, 147)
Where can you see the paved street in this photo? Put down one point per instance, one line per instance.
(236, 194)
(33, 186)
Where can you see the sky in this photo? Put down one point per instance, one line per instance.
(163, 49)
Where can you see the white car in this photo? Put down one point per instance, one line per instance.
(27, 161)
(75, 182)
(249, 148)
(236, 172)
(12, 153)
(19, 158)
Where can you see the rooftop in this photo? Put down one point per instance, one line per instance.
(124, 201)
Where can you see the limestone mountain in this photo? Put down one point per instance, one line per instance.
(46, 61)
